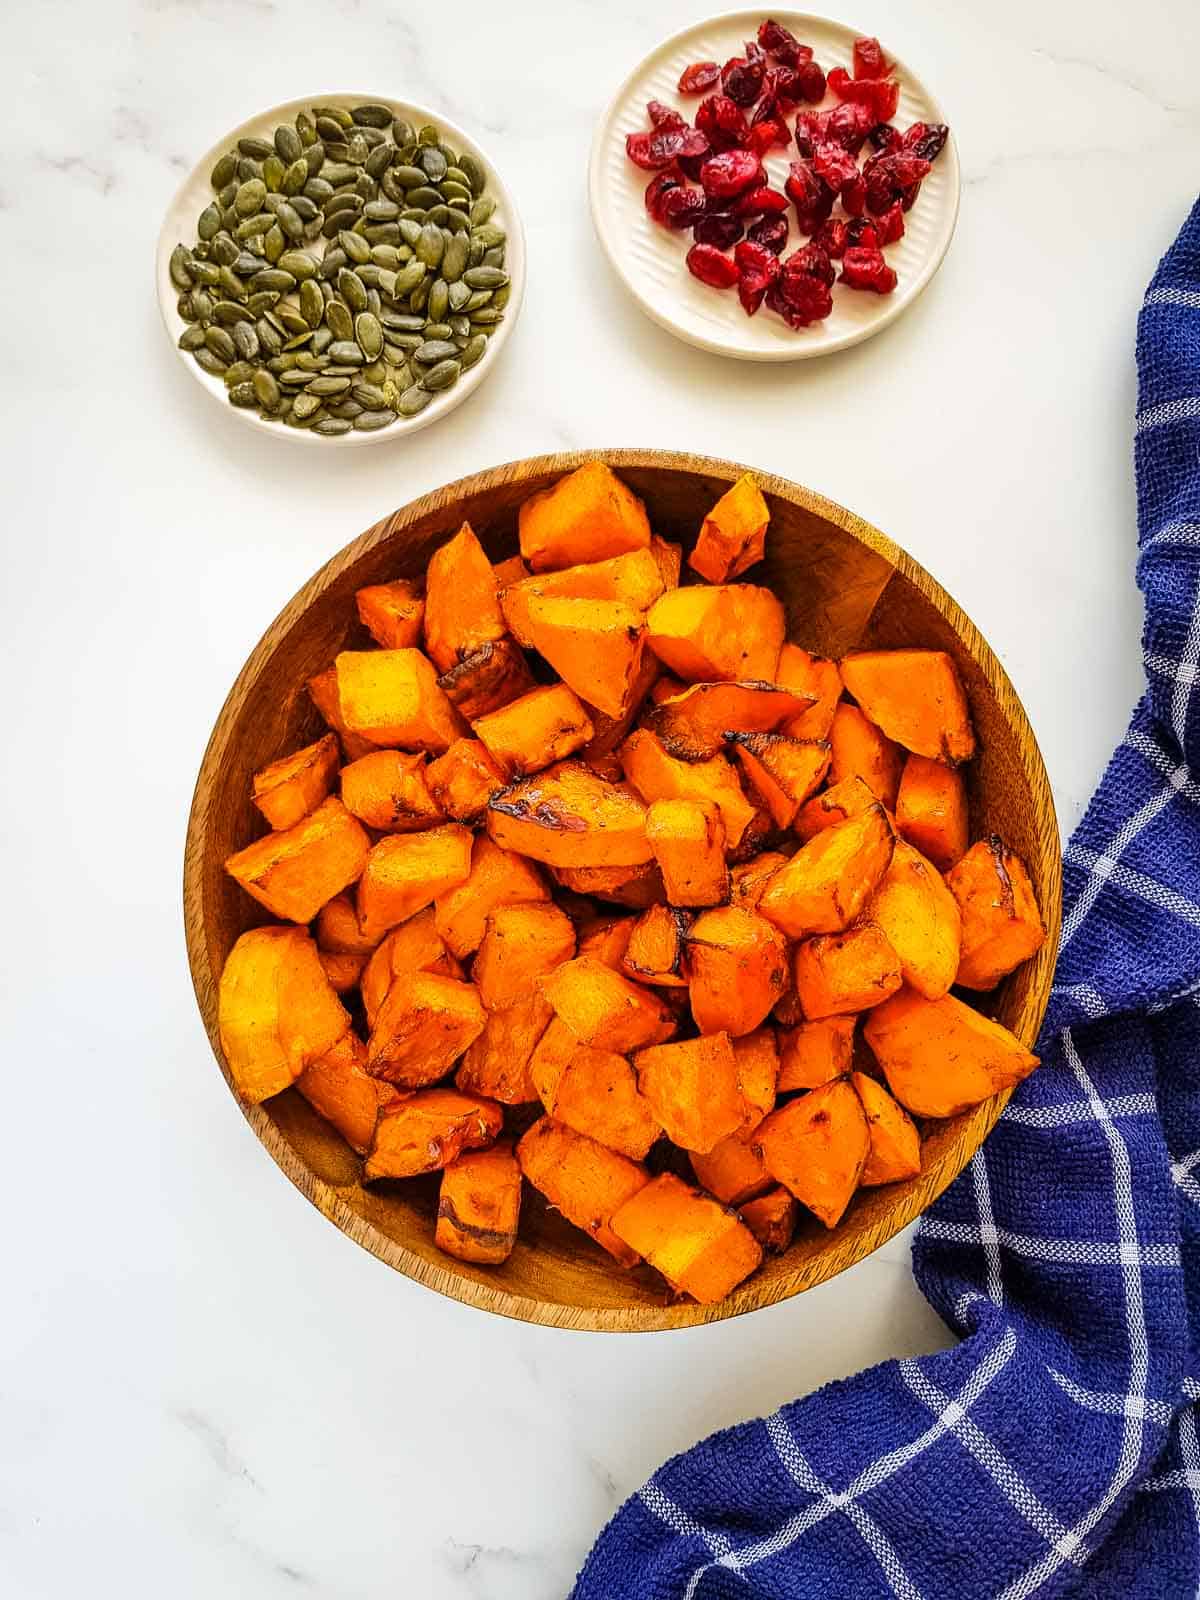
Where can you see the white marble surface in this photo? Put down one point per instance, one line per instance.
(203, 1387)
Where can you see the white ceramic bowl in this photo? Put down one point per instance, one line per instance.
(649, 259)
(179, 226)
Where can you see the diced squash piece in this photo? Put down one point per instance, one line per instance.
(496, 1064)
(521, 943)
(634, 580)
(733, 536)
(838, 973)
(392, 698)
(668, 558)
(406, 872)
(491, 677)
(568, 817)
(772, 1219)
(603, 1009)
(666, 687)
(338, 930)
(737, 966)
(595, 1092)
(294, 871)
(916, 697)
(1001, 923)
(509, 571)
(817, 1146)
(941, 1057)
(849, 798)
(463, 780)
(760, 836)
(636, 887)
(607, 940)
(696, 724)
(462, 612)
(860, 750)
(497, 877)
(343, 971)
(757, 1057)
(813, 1053)
(276, 1011)
(425, 1131)
(550, 1059)
(721, 632)
(826, 884)
(583, 1179)
(748, 879)
(700, 1248)
(658, 776)
(322, 691)
(732, 1171)
(600, 750)
(931, 810)
(817, 677)
(595, 646)
(587, 516)
(531, 733)
(338, 1087)
(919, 918)
(694, 1088)
(655, 947)
(787, 1012)
(782, 771)
(688, 840)
(392, 613)
(287, 790)
(388, 791)
(415, 946)
(895, 1142)
(479, 1204)
(424, 1024)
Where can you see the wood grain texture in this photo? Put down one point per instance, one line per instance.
(844, 583)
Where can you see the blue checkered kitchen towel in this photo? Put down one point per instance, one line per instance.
(1054, 1451)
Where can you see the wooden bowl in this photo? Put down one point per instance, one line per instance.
(844, 584)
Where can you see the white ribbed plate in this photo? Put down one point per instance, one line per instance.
(649, 259)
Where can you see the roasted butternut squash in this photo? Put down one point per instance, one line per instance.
(287, 790)
(657, 776)
(479, 1206)
(388, 791)
(726, 633)
(636, 887)
(587, 516)
(669, 560)
(698, 723)
(1001, 923)
(817, 678)
(496, 1063)
(294, 871)
(688, 841)
(895, 1142)
(392, 613)
(633, 580)
(462, 612)
(813, 1053)
(343, 971)
(849, 798)
(415, 946)
(521, 944)
(817, 1146)
(607, 939)
(276, 1011)
(529, 734)
(406, 872)
(940, 1057)
(568, 817)
(919, 917)
(931, 810)
(595, 646)
(428, 1130)
(489, 678)
(734, 533)
(916, 697)
(737, 966)
(694, 1089)
(839, 973)
(462, 781)
(772, 1219)
(425, 1023)
(700, 1248)
(496, 877)
(603, 1009)
(782, 771)
(860, 750)
(583, 1179)
(748, 879)
(654, 947)
(338, 1087)
(596, 1093)
(392, 697)
(338, 931)
(826, 884)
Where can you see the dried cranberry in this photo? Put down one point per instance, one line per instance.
(770, 134)
(712, 266)
(770, 232)
(810, 80)
(834, 163)
(849, 124)
(699, 77)
(753, 51)
(888, 177)
(730, 173)
(657, 189)
(742, 80)
(853, 195)
(926, 139)
(721, 122)
(884, 137)
(760, 201)
(810, 131)
(775, 38)
(680, 207)
(811, 258)
(887, 98)
(908, 196)
(878, 95)
(799, 298)
(653, 151)
(890, 226)
(691, 164)
(662, 116)
(869, 59)
(752, 257)
(693, 145)
(757, 270)
(862, 231)
(812, 198)
(721, 228)
(832, 237)
(866, 269)
(782, 84)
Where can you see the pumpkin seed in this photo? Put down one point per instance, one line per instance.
(250, 197)
(326, 386)
(314, 157)
(460, 328)
(239, 372)
(402, 133)
(346, 353)
(291, 319)
(339, 320)
(486, 317)
(268, 337)
(485, 277)
(293, 378)
(292, 181)
(209, 223)
(204, 358)
(351, 289)
(455, 191)
(355, 246)
(337, 114)
(432, 163)
(371, 421)
(192, 337)
(344, 202)
(225, 169)
(475, 171)
(245, 340)
(494, 257)
(422, 199)
(274, 243)
(454, 257)
(369, 334)
(437, 330)
(273, 171)
(443, 375)
(331, 427)
(181, 268)
(289, 220)
(433, 351)
(482, 210)
(431, 245)
(242, 394)
(381, 211)
(318, 191)
(224, 250)
(475, 253)
(439, 300)
(414, 400)
(227, 312)
(473, 350)
(500, 298)
(357, 150)
(312, 303)
(457, 294)
(329, 128)
(306, 405)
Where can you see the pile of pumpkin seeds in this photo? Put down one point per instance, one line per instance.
(348, 270)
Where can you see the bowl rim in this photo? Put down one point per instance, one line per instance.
(802, 350)
(752, 1294)
(442, 403)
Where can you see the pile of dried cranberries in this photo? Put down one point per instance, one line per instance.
(741, 119)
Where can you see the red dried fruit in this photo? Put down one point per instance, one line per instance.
(869, 59)
(691, 164)
(926, 139)
(761, 201)
(637, 148)
(770, 232)
(888, 177)
(662, 116)
(712, 266)
(720, 228)
(890, 226)
(811, 258)
(776, 39)
(770, 134)
(832, 236)
(854, 195)
(866, 269)
(833, 163)
(730, 173)
(884, 137)
(757, 270)
(849, 125)
(693, 144)
(810, 80)
(812, 198)
(878, 95)
(862, 231)
(887, 98)
(753, 51)
(653, 151)
(908, 197)
(657, 189)
(680, 207)
(721, 122)
(742, 80)
(799, 298)
(699, 77)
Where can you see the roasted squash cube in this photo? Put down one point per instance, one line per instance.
(595, 646)
(568, 817)
(406, 872)
(817, 677)
(839, 973)
(531, 733)
(428, 1130)
(721, 632)
(496, 1064)
(931, 810)
(583, 1179)
(276, 1011)
(655, 945)
(782, 771)
(287, 790)
(916, 697)
(658, 776)
(637, 887)
(491, 677)
(462, 612)
(860, 750)
(388, 791)
(338, 1087)
(694, 1088)
(479, 1204)
(594, 1092)
(817, 1146)
(415, 946)
(919, 918)
(496, 878)
(392, 613)
(464, 780)
(772, 1219)
(603, 1009)
(748, 879)
(733, 535)
(634, 580)
(841, 801)
(813, 1053)
(688, 840)
(940, 1057)
(521, 944)
(700, 1248)
(895, 1142)
(1001, 923)
(424, 1024)
(322, 691)
(587, 516)
(294, 871)
(338, 931)
(698, 723)
(737, 966)
(391, 697)
(826, 884)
